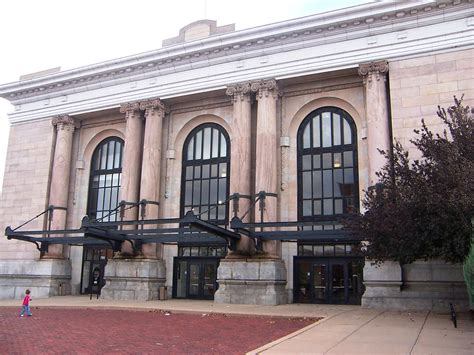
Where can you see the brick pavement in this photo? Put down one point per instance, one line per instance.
(86, 331)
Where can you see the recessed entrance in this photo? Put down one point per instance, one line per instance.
(195, 271)
(195, 278)
(328, 280)
(93, 268)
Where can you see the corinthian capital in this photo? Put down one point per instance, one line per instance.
(373, 69)
(265, 88)
(130, 109)
(154, 107)
(239, 90)
(64, 122)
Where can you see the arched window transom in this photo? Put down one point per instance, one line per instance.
(327, 165)
(105, 179)
(205, 175)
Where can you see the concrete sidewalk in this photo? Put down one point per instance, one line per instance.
(367, 331)
(344, 329)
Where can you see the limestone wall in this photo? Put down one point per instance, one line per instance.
(419, 85)
(25, 184)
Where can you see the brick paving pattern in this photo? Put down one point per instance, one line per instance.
(87, 331)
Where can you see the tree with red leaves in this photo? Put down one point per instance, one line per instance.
(422, 209)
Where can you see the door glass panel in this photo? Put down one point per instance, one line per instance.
(355, 282)
(319, 282)
(210, 275)
(304, 277)
(194, 279)
(337, 283)
(181, 279)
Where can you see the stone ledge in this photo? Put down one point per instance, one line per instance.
(45, 278)
(251, 281)
(130, 279)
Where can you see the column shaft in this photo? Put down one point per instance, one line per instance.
(131, 164)
(378, 127)
(59, 188)
(240, 177)
(267, 156)
(151, 166)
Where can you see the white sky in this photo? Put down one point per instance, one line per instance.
(42, 34)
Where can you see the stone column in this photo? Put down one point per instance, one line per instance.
(259, 280)
(240, 176)
(129, 278)
(378, 126)
(132, 153)
(59, 188)
(266, 164)
(155, 112)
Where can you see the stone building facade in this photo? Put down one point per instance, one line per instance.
(297, 109)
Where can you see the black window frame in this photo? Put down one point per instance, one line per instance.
(207, 208)
(301, 151)
(93, 192)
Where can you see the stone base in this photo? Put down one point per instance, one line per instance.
(251, 281)
(430, 285)
(44, 277)
(133, 279)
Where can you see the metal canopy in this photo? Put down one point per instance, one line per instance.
(293, 231)
(190, 229)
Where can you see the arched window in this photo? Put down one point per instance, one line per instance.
(327, 165)
(206, 171)
(105, 178)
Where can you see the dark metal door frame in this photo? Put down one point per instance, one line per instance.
(201, 262)
(328, 262)
(101, 264)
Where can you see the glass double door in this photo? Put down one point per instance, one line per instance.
(195, 278)
(93, 268)
(331, 281)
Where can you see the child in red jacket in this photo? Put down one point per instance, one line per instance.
(26, 304)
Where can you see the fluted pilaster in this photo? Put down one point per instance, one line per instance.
(378, 125)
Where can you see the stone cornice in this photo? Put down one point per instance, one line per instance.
(64, 122)
(339, 25)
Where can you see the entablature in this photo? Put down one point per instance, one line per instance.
(324, 42)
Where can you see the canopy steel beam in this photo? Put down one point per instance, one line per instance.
(231, 237)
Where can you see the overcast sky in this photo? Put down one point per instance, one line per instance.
(42, 34)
